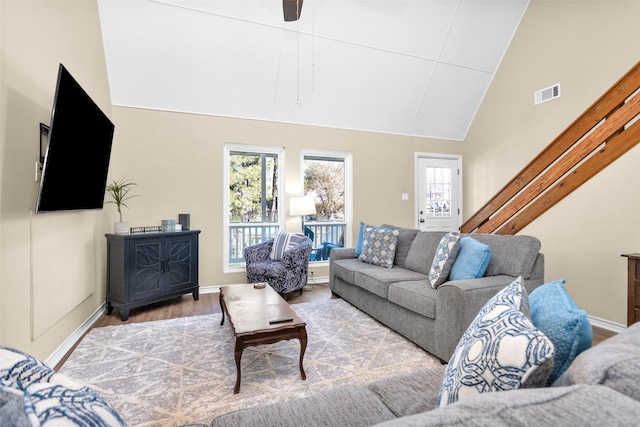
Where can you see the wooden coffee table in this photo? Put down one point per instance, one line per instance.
(250, 311)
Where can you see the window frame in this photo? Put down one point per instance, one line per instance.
(257, 149)
(347, 158)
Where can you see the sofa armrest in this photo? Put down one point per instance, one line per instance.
(342, 253)
(457, 304)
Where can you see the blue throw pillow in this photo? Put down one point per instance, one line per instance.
(557, 315)
(472, 260)
(359, 240)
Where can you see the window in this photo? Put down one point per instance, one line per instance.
(253, 191)
(327, 178)
(438, 200)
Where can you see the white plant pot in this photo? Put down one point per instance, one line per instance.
(121, 227)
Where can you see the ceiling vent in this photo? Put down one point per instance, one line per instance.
(547, 94)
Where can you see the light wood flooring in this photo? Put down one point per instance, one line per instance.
(208, 304)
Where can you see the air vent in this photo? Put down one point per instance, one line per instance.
(547, 94)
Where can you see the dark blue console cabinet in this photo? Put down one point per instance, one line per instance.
(150, 267)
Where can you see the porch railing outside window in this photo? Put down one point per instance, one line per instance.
(242, 235)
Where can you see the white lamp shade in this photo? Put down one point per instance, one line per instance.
(301, 206)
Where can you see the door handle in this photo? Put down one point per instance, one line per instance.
(421, 219)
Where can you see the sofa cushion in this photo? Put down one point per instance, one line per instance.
(379, 246)
(343, 406)
(472, 260)
(615, 363)
(377, 279)
(445, 257)
(554, 313)
(283, 242)
(417, 296)
(510, 255)
(501, 350)
(12, 411)
(346, 269)
(423, 250)
(412, 393)
(575, 406)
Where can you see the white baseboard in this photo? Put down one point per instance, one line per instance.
(606, 324)
(67, 344)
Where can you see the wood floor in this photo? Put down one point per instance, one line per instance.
(208, 304)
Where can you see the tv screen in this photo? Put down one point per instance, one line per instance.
(76, 160)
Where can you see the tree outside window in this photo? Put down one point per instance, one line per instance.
(253, 194)
(325, 178)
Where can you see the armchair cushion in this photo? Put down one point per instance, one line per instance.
(283, 242)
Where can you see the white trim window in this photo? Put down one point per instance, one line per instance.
(253, 192)
(327, 177)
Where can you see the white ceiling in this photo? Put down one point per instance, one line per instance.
(417, 67)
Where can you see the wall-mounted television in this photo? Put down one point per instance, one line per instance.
(76, 159)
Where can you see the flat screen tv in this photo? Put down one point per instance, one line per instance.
(76, 160)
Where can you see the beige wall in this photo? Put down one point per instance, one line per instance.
(586, 47)
(177, 161)
(52, 266)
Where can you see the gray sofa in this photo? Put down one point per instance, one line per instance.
(402, 298)
(601, 387)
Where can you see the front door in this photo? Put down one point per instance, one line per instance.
(438, 194)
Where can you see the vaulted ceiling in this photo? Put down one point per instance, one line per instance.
(418, 67)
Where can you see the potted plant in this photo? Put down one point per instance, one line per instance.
(119, 190)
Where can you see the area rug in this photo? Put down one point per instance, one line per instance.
(182, 371)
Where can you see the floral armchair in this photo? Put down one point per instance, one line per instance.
(284, 276)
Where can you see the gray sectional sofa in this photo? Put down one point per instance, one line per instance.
(601, 387)
(402, 297)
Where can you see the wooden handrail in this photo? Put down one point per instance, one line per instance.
(599, 135)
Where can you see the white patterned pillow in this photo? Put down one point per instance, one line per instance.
(283, 242)
(379, 246)
(501, 350)
(443, 260)
(51, 399)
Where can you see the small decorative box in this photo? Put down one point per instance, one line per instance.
(168, 225)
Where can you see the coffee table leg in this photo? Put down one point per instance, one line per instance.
(303, 347)
(238, 355)
(221, 308)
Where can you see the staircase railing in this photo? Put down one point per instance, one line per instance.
(603, 133)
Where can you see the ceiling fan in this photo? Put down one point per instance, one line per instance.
(292, 9)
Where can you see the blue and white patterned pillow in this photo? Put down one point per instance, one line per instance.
(446, 253)
(52, 399)
(379, 246)
(283, 242)
(501, 350)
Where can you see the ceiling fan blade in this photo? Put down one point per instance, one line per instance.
(292, 9)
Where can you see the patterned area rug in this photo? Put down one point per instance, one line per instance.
(181, 371)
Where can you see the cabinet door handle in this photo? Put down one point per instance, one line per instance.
(162, 265)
